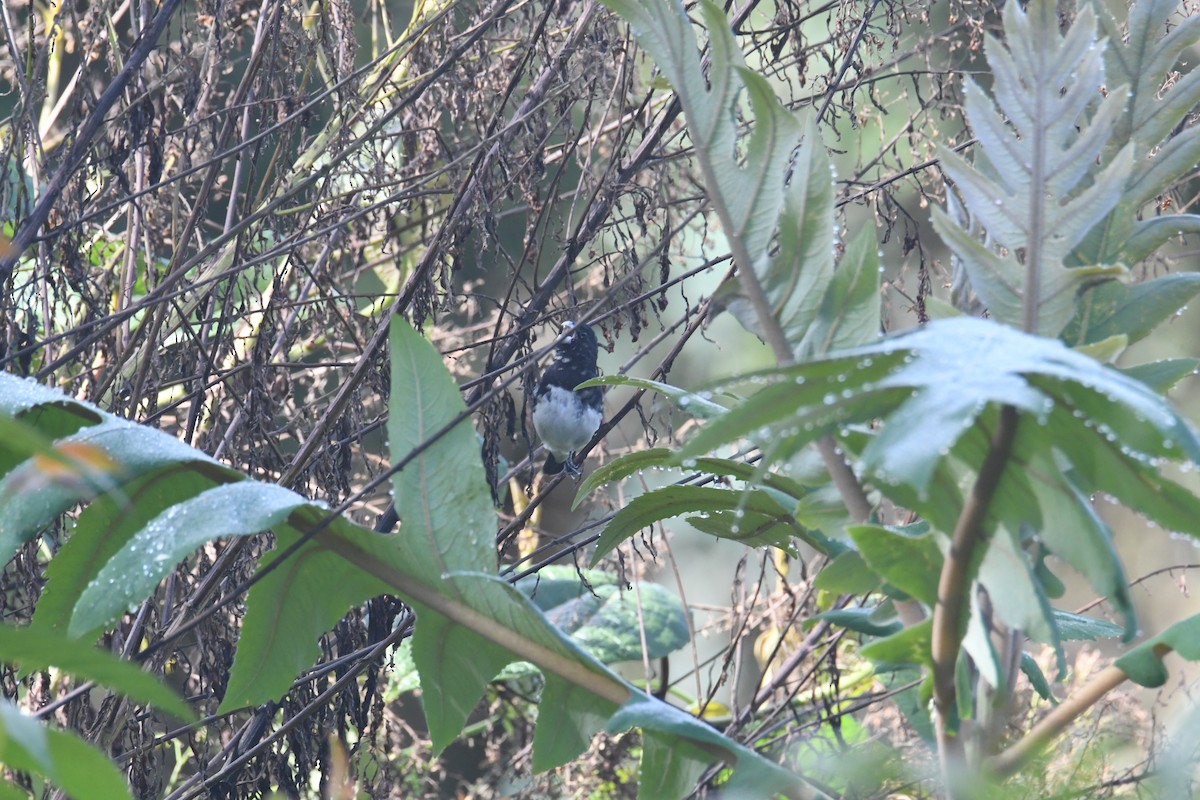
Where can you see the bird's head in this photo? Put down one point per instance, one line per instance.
(578, 344)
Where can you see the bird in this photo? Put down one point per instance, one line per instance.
(566, 419)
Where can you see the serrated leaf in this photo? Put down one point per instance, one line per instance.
(34, 650)
(1077, 627)
(1042, 133)
(1113, 308)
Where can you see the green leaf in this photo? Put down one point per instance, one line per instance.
(698, 404)
(847, 573)
(850, 309)
(106, 525)
(1162, 375)
(441, 496)
(1073, 531)
(1034, 187)
(674, 501)
(299, 600)
(799, 278)
(607, 622)
(759, 778)
(1143, 664)
(909, 646)
(658, 458)
(1015, 594)
(1112, 308)
(63, 758)
(235, 509)
(1077, 627)
(33, 650)
(137, 449)
(910, 562)
(1037, 679)
(859, 620)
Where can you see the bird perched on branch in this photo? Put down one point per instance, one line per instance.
(565, 419)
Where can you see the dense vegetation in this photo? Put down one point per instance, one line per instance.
(276, 277)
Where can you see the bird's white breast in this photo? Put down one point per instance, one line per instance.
(564, 422)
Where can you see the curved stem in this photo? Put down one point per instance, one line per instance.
(1055, 722)
(953, 584)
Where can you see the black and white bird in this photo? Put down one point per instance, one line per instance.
(565, 419)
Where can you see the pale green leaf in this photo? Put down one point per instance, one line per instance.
(441, 494)
(63, 758)
(1143, 664)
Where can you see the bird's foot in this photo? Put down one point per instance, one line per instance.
(572, 468)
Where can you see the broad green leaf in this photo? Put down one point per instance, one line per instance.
(1113, 308)
(63, 758)
(667, 771)
(611, 633)
(859, 620)
(759, 779)
(910, 562)
(235, 509)
(578, 715)
(909, 646)
(848, 573)
(608, 622)
(441, 495)
(698, 404)
(1143, 664)
(1014, 592)
(798, 277)
(850, 309)
(107, 524)
(135, 448)
(674, 501)
(37, 650)
(294, 605)
(1162, 375)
